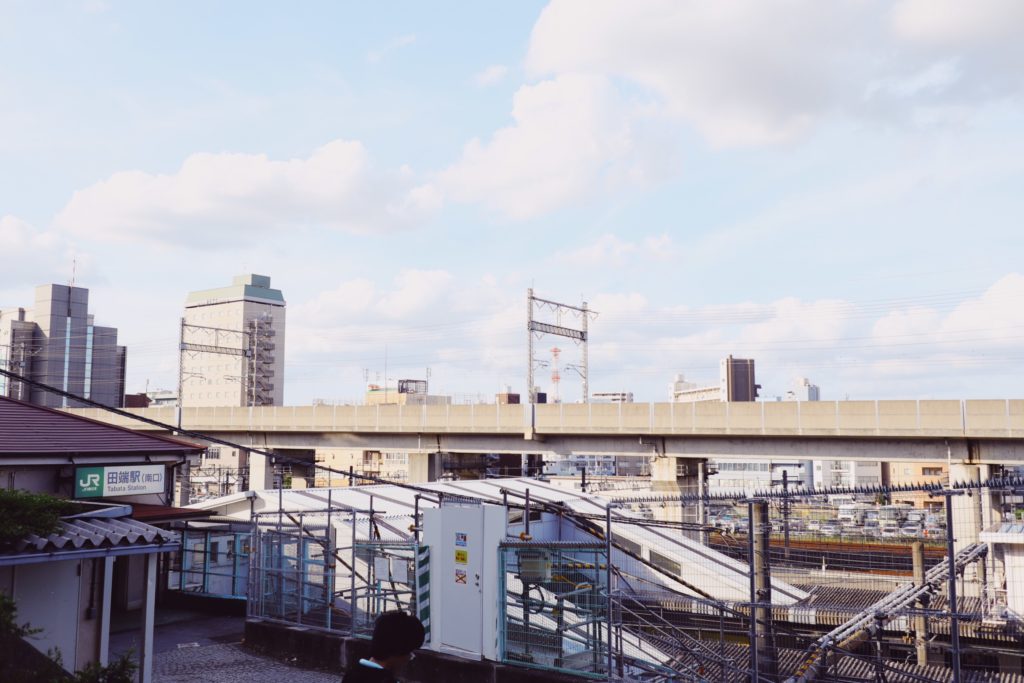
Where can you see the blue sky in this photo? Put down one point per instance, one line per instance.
(830, 188)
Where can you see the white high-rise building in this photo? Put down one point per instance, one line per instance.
(831, 473)
(233, 345)
(803, 390)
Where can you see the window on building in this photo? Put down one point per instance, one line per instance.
(931, 471)
(213, 454)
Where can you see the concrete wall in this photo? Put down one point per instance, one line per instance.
(48, 596)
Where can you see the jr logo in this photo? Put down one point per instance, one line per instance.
(89, 482)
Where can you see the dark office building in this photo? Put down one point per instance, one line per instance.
(738, 383)
(57, 343)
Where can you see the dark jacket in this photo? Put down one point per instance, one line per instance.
(357, 673)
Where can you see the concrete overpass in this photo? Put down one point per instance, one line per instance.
(975, 432)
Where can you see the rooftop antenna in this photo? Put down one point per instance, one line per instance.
(74, 268)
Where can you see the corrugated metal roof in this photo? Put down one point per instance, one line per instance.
(80, 537)
(75, 534)
(148, 512)
(27, 429)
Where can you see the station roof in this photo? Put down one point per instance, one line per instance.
(30, 430)
(704, 568)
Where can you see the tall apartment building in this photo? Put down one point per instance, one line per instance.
(232, 345)
(737, 379)
(57, 342)
(736, 383)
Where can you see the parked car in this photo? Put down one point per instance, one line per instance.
(830, 529)
(889, 531)
(910, 530)
(813, 525)
(871, 528)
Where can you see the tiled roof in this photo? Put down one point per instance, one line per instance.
(27, 429)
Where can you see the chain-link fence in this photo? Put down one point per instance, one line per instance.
(336, 570)
(553, 607)
(213, 560)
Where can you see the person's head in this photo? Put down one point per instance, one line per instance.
(395, 636)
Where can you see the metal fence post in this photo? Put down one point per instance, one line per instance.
(954, 621)
(753, 592)
(608, 580)
(352, 581)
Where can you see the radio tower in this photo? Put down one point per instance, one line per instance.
(555, 376)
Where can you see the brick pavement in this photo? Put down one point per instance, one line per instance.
(229, 663)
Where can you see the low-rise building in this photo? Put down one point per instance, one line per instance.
(102, 560)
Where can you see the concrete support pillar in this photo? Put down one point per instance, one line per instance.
(970, 513)
(967, 519)
(261, 473)
(148, 620)
(424, 467)
(920, 621)
(678, 476)
(105, 606)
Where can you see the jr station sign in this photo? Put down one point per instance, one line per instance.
(119, 480)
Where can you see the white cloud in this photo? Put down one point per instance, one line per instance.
(412, 294)
(957, 24)
(376, 55)
(415, 291)
(616, 304)
(609, 250)
(492, 75)
(570, 137)
(217, 199)
(34, 257)
(741, 72)
(96, 6)
(752, 72)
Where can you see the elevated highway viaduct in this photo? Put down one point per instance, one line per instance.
(965, 434)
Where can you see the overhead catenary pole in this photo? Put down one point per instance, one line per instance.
(586, 356)
(531, 396)
(580, 336)
(181, 368)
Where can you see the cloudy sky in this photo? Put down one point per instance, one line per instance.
(833, 189)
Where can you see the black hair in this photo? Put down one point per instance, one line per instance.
(396, 633)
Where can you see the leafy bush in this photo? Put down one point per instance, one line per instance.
(23, 513)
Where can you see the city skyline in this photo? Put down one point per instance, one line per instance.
(405, 176)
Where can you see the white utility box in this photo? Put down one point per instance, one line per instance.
(463, 542)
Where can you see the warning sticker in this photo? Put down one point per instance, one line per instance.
(460, 576)
(461, 539)
(461, 557)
